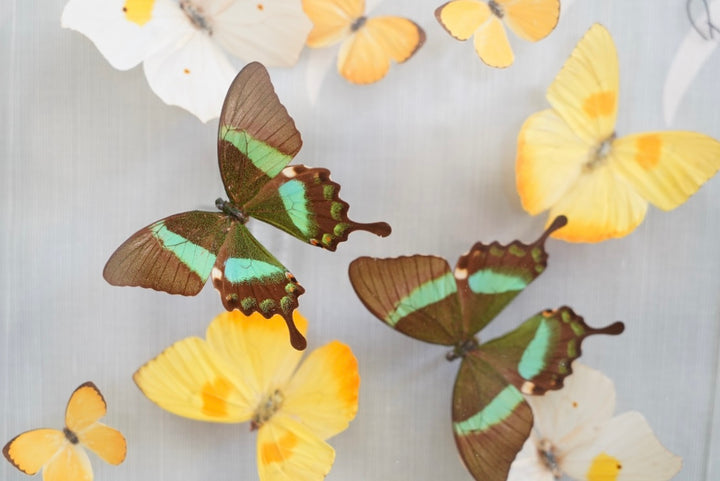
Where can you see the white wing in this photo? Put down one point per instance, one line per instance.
(272, 32)
(123, 39)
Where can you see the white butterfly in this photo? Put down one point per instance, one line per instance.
(181, 42)
(575, 433)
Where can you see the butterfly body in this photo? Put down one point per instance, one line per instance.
(256, 140)
(571, 162)
(423, 298)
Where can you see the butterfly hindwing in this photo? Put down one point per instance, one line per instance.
(490, 419)
(175, 254)
(531, 20)
(304, 202)
(415, 295)
(257, 137)
(251, 279)
(490, 276)
(536, 356)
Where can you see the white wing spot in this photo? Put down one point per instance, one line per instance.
(461, 274)
(528, 387)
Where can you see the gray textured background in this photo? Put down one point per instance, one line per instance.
(90, 155)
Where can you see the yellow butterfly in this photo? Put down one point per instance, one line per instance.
(61, 453)
(245, 371)
(368, 44)
(530, 20)
(570, 161)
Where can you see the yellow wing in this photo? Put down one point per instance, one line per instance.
(32, 450)
(190, 380)
(530, 20)
(253, 346)
(332, 19)
(585, 92)
(287, 450)
(666, 168)
(323, 392)
(85, 407)
(464, 18)
(365, 56)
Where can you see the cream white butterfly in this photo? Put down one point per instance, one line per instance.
(182, 43)
(575, 433)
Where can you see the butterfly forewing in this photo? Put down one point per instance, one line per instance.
(415, 295)
(490, 276)
(585, 92)
(536, 356)
(332, 19)
(304, 202)
(175, 254)
(257, 138)
(530, 20)
(491, 419)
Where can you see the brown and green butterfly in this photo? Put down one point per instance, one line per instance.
(423, 298)
(257, 139)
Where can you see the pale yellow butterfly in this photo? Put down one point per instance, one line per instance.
(575, 434)
(571, 161)
(246, 371)
(61, 454)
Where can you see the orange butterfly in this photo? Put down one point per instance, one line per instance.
(61, 453)
(368, 44)
(530, 20)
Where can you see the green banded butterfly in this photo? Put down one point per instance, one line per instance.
(421, 297)
(257, 139)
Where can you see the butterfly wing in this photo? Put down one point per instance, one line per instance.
(257, 138)
(304, 202)
(85, 407)
(324, 390)
(537, 356)
(625, 448)
(32, 450)
(124, 32)
(585, 92)
(464, 18)
(530, 20)
(415, 295)
(332, 20)
(286, 449)
(490, 419)
(190, 380)
(175, 254)
(490, 276)
(271, 32)
(666, 168)
(251, 279)
(366, 55)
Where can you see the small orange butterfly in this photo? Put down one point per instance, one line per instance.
(368, 44)
(61, 453)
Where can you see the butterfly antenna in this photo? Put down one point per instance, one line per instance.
(559, 222)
